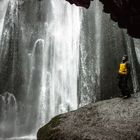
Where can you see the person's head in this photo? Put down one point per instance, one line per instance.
(124, 58)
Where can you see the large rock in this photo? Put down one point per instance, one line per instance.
(114, 119)
(84, 3)
(125, 12)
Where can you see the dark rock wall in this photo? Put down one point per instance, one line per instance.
(84, 3)
(125, 12)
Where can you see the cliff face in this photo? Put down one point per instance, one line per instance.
(115, 119)
(84, 3)
(125, 12)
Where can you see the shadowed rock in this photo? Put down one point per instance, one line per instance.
(125, 12)
(115, 119)
(84, 3)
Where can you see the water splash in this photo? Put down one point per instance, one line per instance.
(20, 138)
(9, 116)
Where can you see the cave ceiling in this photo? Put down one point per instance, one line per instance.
(125, 12)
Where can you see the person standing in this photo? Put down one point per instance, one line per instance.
(123, 76)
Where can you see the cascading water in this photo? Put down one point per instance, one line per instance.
(50, 68)
(98, 31)
(54, 63)
(65, 36)
(40, 65)
(58, 91)
(90, 54)
(9, 108)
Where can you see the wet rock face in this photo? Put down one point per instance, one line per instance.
(115, 119)
(125, 12)
(84, 3)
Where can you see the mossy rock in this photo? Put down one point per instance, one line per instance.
(114, 119)
(50, 130)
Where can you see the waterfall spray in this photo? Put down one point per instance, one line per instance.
(98, 26)
(9, 117)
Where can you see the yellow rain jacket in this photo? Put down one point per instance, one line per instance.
(123, 69)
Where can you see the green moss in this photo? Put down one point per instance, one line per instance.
(55, 121)
(52, 134)
(49, 132)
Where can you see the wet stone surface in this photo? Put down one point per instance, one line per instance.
(114, 119)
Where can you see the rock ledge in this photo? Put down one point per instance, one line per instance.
(114, 119)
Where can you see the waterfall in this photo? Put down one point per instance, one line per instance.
(54, 58)
(98, 31)
(50, 67)
(3, 9)
(65, 34)
(90, 54)
(58, 91)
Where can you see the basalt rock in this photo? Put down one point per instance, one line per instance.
(83, 3)
(125, 12)
(114, 119)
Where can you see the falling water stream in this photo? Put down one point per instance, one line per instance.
(53, 70)
(40, 65)
(98, 27)
(58, 70)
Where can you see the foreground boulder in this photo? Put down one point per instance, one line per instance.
(114, 119)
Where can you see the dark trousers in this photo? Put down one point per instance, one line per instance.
(123, 85)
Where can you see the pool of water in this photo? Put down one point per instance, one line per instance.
(20, 138)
